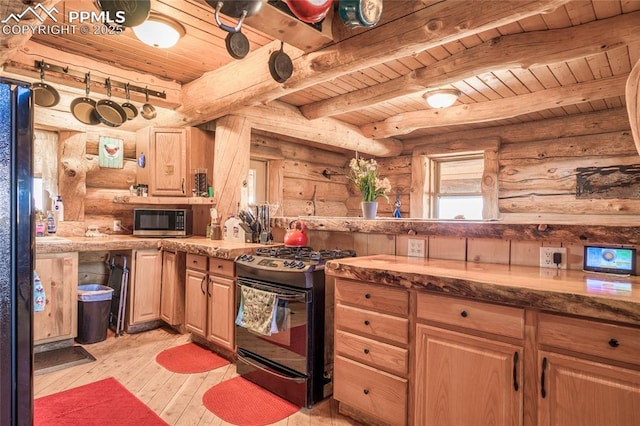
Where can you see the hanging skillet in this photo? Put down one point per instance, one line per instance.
(108, 111)
(148, 111)
(83, 109)
(237, 43)
(43, 94)
(280, 65)
(126, 13)
(310, 11)
(129, 108)
(360, 13)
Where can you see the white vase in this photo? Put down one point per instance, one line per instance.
(369, 209)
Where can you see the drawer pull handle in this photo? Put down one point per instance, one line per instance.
(367, 296)
(464, 314)
(366, 351)
(614, 343)
(515, 371)
(543, 391)
(366, 322)
(366, 391)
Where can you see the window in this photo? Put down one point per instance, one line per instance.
(457, 187)
(38, 194)
(257, 182)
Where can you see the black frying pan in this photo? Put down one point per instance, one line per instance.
(129, 108)
(83, 109)
(280, 65)
(135, 11)
(237, 43)
(109, 112)
(43, 94)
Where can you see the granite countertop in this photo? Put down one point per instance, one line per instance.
(563, 291)
(196, 245)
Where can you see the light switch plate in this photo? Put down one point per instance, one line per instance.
(416, 247)
(546, 257)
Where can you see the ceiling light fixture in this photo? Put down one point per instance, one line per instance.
(159, 31)
(442, 98)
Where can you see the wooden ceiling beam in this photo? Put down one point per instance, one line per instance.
(426, 28)
(279, 117)
(522, 50)
(498, 109)
(632, 94)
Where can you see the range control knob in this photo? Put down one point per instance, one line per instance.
(292, 264)
(251, 258)
(243, 257)
(286, 263)
(300, 265)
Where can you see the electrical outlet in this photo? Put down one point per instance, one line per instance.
(546, 257)
(416, 248)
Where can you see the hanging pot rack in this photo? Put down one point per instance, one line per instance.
(80, 76)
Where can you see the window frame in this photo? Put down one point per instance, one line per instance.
(436, 163)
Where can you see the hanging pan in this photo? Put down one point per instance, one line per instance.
(126, 13)
(129, 108)
(43, 94)
(83, 109)
(108, 111)
(148, 111)
(310, 11)
(280, 65)
(237, 43)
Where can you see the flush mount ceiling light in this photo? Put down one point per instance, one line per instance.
(159, 31)
(442, 98)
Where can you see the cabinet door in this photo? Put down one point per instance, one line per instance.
(169, 162)
(172, 293)
(464, 380)
(145, 286)
(221, 311)
(586, 393)
(195, 311)
(59, 276)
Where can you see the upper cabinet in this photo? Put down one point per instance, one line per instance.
(171, 155)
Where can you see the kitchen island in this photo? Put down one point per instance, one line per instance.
(449, 342)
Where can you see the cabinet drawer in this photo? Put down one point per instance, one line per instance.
(372, 324)
(373, 391)
(590, 337)
(221, 267)
(501, 320)
(196, 261)
(376, 354)
(387, 299)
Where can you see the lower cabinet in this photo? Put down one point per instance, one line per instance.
(145, 286)
(173, 287)
(210, 299)
(58, 273)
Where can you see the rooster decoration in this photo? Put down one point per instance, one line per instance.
(111, 152)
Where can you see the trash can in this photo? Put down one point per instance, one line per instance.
(94, 307)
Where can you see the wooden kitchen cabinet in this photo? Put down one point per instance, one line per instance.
(210, 299)
(58, 273)
(173, 287)
(372, 350)
(144, 287)
(171, 155)
(589, 372)
(467, 368)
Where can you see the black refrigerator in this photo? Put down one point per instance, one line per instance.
(16, 253)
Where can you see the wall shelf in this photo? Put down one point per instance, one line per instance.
(129, 199)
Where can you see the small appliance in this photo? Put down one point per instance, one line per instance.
(162, 222)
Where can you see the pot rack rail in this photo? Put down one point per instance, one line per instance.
(42, 65)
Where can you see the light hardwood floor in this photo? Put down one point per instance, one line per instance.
(177, 398)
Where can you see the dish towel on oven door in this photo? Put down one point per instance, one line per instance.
(260, 311)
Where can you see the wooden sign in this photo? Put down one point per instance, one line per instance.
(608, 182)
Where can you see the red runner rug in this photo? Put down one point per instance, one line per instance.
(241, 402)
(189, 358)
(105, 402)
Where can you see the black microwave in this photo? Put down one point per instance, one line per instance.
(162, 222)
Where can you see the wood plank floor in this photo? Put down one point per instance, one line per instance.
(177, 398)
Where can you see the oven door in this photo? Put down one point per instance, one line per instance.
(288, 347)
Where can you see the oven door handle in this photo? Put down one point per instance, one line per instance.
(260, 367)
(269, 289)
(291, 298)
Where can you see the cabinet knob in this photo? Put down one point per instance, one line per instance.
(366, 351)
(614, 343)
(366, 322)
(464, 314)
(219, 266)
(367, 296)
(366, 391)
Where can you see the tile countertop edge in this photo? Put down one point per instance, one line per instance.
(521, 286)
(194, 245)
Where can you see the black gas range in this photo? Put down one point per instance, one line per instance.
(294, 359)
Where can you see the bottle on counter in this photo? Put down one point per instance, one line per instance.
(51, 223)
(58, 208)
(40, 227)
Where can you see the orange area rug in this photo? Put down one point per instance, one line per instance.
(241, 402)
(105, 402)
(190, 358)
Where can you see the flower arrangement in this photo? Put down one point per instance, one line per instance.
(364, 174)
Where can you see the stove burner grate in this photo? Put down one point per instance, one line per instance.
(304, 253)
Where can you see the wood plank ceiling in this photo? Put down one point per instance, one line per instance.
(513, 62)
